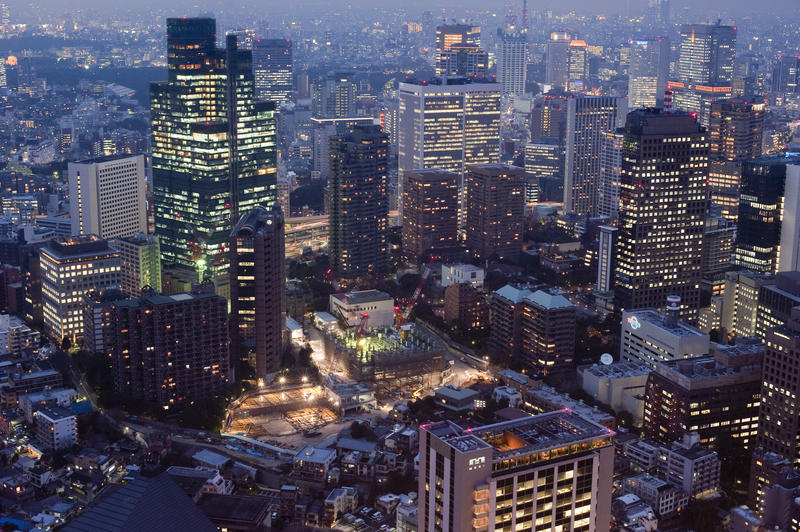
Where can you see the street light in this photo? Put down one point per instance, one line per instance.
(282, 380)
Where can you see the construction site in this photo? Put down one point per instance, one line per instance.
(390, 359)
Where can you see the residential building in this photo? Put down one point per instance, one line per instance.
(547, 332)
(207, 111)
(506, 315)
(107, 196)
(56, 428)
(690, 466)
(667, 500)
(512, 62)
(588, 118)
(312, 463)
(710, 395)
(430, 211)
(258, 290)
(140, 262)
(170, 350)
(662, 211)
(16, 338)
(456, 399)
(70, 268)
(570, 489)
(358, 203)
(495, 211)
(466, 307)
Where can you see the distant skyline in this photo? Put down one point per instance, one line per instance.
(46, 10)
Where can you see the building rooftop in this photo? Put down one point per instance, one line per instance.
(315, 454)
(525, 435)
(362, 296)
(662, 321)
(236, 508)
(548, 300)
(512, 293)
(106, 159)
(456, 394)
(617, 370)
(211, 458)
(77, 247)
(706, 372)
(143, 505)
(54, 413)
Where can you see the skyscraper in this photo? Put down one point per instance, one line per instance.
(509, 475)
(258, 291)
(107, 196)
(547, 333)
(495, 210)
(786, 74)
(448, 126)
(272, 70)
(610, 169)
(430, 211)
(705, 68)
(358, 202)
(647, 73)
(588, 118)
(735, 131)
(450, 35)
(663, 191)
(557, 73)
(512, 63)
(335, 96)
(464, 60)
(767, 239)
(543, 157)
(549, 116)
(214, 152)
(577, 66)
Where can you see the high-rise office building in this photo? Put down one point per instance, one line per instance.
(577, 66)
(245, 37)
(735, 131)
(659, 12)
(272, 70)
(448, 126)
(767, 233)
(510, 476)
(495, 211)
(610, 169)
(512, 63)
(464, 60)
(358, 203)
(786, 74)
(557, 69)
(170, 350)
(258, 290)
(606, 259)
(704, 68)
(663, 199)
(549, 116)
(453, 35)
(588, 118)
(779, 417)
(140, 263)
(214, 151)
(107, 196)
(70, 268)
(543, 157)
(648, 72)
(430, 211)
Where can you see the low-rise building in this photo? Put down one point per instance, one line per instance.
(349, 397)
(456, 399)
(509, 394)
(690, 466)
(462, 273)
(620, 386)
(351, 306)
(312, 463)
(31, 402)
(339, 502)
(406, 515)
(666, 499)
(56, 428)
(543, 398)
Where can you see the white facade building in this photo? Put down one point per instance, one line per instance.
(650, 337)
(462, 273)
(377, 305)
(107, 196)
(56, 428)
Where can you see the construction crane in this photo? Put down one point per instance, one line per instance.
(426, 272)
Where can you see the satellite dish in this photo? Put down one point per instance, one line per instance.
(606, 359)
